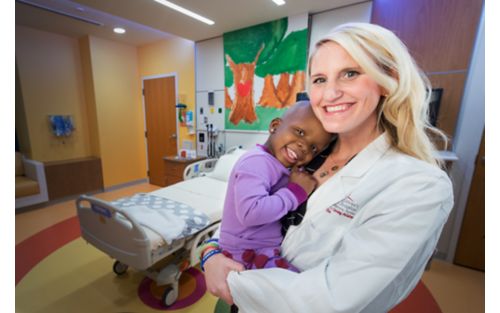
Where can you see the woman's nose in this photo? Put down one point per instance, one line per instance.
(332, 92)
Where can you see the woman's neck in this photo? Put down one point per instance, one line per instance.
(350, 144)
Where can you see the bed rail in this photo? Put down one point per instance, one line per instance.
(200, 168)
(100, 226)
(109, 210)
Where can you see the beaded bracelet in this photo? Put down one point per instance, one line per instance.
(208, 256)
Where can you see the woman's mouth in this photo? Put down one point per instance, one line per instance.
(339, 108)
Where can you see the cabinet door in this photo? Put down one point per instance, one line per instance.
(170, 180)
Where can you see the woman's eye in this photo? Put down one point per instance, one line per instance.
(351, 74)
(319, 80)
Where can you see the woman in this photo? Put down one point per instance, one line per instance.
(382, 200)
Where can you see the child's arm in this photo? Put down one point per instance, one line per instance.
(303, 179)
(256, 203)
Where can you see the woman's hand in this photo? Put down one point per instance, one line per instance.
(217, 268)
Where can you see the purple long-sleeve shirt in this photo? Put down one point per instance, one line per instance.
(258, 195)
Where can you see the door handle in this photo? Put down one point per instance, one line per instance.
(173, 136)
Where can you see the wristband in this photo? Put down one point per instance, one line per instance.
(208, 256)
(212, 243)
(207, 249)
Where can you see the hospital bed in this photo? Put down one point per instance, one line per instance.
(159, 232)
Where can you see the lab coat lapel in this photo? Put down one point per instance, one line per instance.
(343, 183)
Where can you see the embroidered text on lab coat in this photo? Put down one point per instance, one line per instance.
(346, 207)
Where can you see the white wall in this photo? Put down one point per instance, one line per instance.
(323, 22)
(209, 63)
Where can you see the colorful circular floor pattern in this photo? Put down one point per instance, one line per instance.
(56, 271)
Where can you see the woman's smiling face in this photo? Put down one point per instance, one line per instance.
(344, 98)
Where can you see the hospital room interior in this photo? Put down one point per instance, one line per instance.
(121, 103)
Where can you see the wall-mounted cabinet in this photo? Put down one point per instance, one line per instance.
(210, 65)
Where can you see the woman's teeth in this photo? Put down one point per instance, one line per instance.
(337, 108)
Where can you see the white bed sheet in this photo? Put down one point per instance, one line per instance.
(205, 194)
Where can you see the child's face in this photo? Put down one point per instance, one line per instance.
(297, 138)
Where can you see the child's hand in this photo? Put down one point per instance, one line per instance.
(304, 179)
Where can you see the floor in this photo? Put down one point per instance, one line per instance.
(71, 272)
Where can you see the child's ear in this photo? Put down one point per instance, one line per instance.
(275, 123)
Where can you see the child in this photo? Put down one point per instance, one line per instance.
(262, 188)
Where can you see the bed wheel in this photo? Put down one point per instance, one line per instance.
(119, 268)
(169, 296)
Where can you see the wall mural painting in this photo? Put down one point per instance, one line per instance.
(264, 70)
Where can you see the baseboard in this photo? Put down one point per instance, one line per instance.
(131, 183)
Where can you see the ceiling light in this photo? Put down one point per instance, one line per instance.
(279, 2)
(185, 11)
(119, 30)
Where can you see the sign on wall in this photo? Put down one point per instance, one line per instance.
(264, 69)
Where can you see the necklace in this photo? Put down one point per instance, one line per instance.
(334, 168)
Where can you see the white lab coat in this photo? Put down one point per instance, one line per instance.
(364, 241)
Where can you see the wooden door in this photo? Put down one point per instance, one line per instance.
(470, 247)
(161, 130)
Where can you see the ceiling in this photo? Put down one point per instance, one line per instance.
(147, 21)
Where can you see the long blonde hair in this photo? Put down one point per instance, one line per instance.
(403, 110)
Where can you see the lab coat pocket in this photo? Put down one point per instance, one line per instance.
(335, 219)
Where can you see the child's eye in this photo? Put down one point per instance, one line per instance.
(314, 149)
(299, 132)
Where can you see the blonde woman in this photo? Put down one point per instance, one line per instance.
(382, 200)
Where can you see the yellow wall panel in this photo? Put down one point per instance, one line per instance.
(120, 117)
(175, 55)
(49, 68)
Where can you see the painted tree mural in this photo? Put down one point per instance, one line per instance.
(264, 70)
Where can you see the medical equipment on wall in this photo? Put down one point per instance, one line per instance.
(210, 123)
(185, 117)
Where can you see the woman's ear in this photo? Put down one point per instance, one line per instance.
(275, 123)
